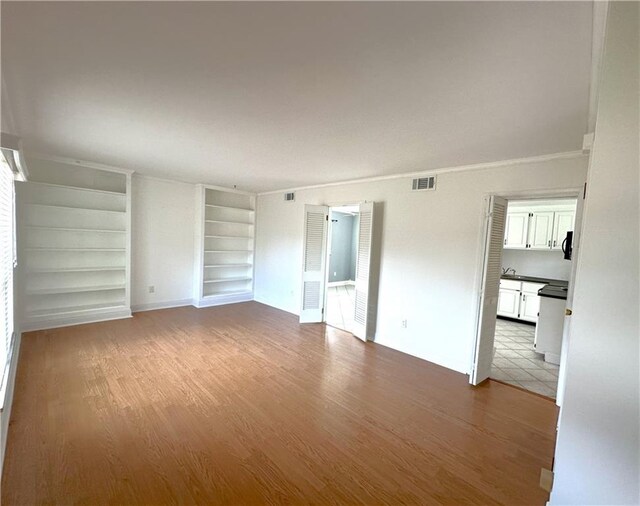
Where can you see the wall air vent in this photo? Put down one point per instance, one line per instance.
(424, 183)
(289, 197)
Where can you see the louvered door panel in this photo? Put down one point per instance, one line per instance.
(363, 309)
(490, 289)
(313, 275)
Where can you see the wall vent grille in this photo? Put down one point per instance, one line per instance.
(424, 183)
(289, 197)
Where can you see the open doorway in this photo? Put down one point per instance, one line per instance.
(341, 272)
(528, 274)
(316, 273)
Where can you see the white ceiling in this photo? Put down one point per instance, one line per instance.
(277, 95)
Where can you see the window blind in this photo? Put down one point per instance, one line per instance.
(7, 264)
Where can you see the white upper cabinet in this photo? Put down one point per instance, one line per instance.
(540, 229)
(515, 235)
(562, 223)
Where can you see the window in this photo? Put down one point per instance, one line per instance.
(7, 264)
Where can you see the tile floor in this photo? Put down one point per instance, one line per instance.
(340, 300)
(516, 363)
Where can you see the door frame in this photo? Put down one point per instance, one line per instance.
(574, 192)
(328, 255)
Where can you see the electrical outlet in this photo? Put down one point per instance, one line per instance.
(152, 289)
(404, 324)
(335, 274)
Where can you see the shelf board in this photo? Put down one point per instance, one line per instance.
(77, 289)
(75, 309)
(69, 229)
(230, 207)
(80, 188)
(76, 208)
(228, 237)
(77, 269)
(228, 251)
(227, 280)
(75, 249)
(227, 265)
(229, 221)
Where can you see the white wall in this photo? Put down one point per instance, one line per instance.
(597, 452)
(543, 264)
(429, 251)
(162, 235)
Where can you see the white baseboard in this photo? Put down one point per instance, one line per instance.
(220, 300)
(342, 283)
(281, 308)
(7, 398)
(69, 320)
(136, 308)
(552, 358)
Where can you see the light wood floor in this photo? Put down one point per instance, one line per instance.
(241, 405)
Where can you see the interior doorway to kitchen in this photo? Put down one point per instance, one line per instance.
(526, 280)
(341, 266)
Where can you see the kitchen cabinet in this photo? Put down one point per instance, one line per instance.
(562, 223)
(541, 228)
(519, 300)
(508, 303)
(516, 227)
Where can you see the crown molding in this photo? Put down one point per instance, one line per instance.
(460, 168)
(80, 163)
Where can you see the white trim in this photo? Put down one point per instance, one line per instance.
(69, 321)
(163, 179)
(348, 282)
(279, 308)
(459, 168)
(598, 29)
(230, 190)
(221, 300)
(7, 397)
(77, 162)
(167, 304)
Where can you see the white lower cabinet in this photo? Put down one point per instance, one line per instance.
(519, 300)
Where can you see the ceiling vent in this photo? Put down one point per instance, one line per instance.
(424, 183)
(289, 197)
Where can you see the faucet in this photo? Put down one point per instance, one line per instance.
(506, 271)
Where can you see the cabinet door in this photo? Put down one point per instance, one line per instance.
(515, 233)
(562, 223)
(508, 303)
(540, 230)
(530, 307)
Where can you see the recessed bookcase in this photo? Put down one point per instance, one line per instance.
(225, 246)
(74, 243)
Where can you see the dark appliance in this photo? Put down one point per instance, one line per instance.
(567, 246)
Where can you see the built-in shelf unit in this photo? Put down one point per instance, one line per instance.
(224, 246)
(74, 222)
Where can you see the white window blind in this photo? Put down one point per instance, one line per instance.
(7, 264)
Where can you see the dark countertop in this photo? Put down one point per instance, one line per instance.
(553, 291)
(533, 279)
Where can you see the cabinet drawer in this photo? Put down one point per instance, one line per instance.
(509, 284)
(531, 287)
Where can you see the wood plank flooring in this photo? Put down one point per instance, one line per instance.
(240, 404)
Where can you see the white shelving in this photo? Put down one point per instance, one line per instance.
(224, 264)
(74, 239)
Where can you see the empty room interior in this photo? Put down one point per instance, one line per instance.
(320, 253)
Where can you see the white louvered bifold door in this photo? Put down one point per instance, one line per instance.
(490, 289)
(362, 305)
(313, 263)
(7, 262)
